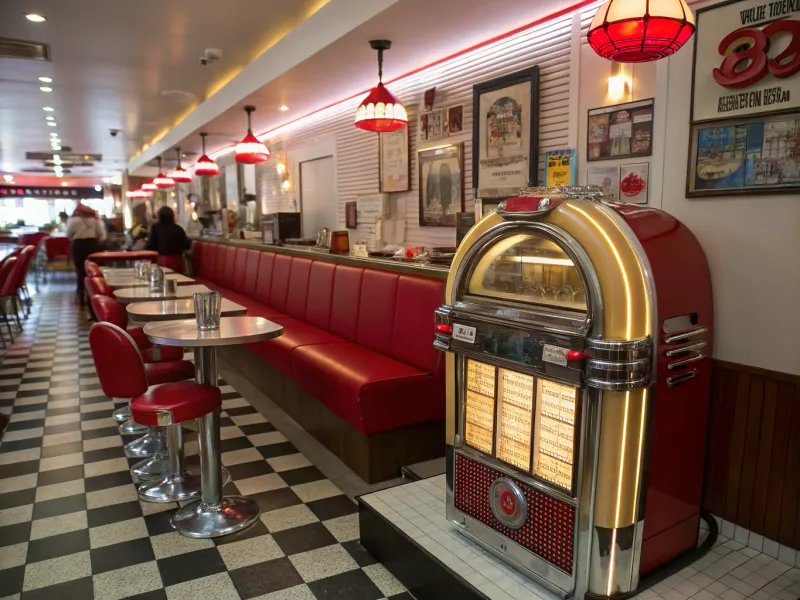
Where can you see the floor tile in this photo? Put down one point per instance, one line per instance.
(113, 495)
(43, 528)
(250, 469)
(11, 581)
(13, 556)
(116, 533)
(276, 499)
(60, 462)
(127, 581)
(344, 529)
(352, 585)
(262, 483)
(57, 570)
(323, 562)
(288, 518)
(20, 468)
(160, 523)
(335, 506)
(289, 461)
(9, 458)
(273, 450)
(361, 556)
(59, 506)
(192, 565)
(112, 441)
(249, 552)
(78, 589)
(219, 587)
(385, 581)
(124, 554)
(58, 545)
(61, 475)
(113, 513)
(240, 456)
(316, 490)
(255, 530)
(19, 498)
(173, 544)
(60, 490)
(102, 482)
(267, 577)
(61, 450)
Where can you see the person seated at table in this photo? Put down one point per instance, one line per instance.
(86, 234)
(169, 240)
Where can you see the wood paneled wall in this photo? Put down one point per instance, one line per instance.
(753, 457)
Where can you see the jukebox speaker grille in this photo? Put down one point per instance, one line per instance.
(549, 528)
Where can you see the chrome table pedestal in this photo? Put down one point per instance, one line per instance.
(145, 446)
(179, 484)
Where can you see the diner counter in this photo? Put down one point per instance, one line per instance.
(385, 264)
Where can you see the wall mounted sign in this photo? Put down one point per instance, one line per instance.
(620, 131)
(395, 167)
(505, 134)
(75, 193)
(634, 183)
(605, 177)
(746, 59)
(441, 185)
(560, 167)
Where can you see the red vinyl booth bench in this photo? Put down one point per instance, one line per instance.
(355, 365)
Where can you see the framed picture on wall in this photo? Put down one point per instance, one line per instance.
(441, 185)
(620, 131)
(634, 183)
(505, 134)
(605, 177)
(351, 215)
(395, 167)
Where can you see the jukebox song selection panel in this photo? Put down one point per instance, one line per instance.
(534, 419)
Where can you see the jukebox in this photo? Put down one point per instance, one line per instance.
(578, 336)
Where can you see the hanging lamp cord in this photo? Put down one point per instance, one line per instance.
(380, 65)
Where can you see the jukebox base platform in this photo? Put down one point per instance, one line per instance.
(406, 529)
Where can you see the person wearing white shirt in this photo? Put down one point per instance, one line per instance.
(86, 234)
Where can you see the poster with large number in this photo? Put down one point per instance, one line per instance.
(745, 135)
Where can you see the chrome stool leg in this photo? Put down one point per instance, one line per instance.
(131, 427)
(180, 483)
(156, 467)
(122, 414)
(145, 446)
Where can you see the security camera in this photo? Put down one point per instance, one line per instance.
(210, 56)
(113, 132)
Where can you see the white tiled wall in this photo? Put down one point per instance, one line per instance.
(732, 570)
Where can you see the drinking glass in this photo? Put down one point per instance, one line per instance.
(170, 287)
(207, 310)
(156, 279)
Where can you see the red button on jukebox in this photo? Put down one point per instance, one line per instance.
(508, 503)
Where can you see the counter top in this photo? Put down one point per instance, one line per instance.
(386, 264)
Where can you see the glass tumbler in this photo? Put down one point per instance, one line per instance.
(207, 310)
(156, 279)
(170, 287)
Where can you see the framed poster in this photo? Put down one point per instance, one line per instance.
(634, 184)
(505, 134)
(395, 168)
(351, 215)
(441, 185)
(745, 60)
(620, 131)
(607, 178)
(560, 167)
(743, 156)
(455, 120)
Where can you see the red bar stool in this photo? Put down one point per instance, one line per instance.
(92, 270)
(120, 366)
(121, 372)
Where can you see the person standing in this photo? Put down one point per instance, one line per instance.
(86, 235)
(169, 240)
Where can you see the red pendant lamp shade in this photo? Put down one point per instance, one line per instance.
(162, 180)
(640, 30)
(250, 151)
(180, 175)
(205, 167)
(381, 111)
(149, 187)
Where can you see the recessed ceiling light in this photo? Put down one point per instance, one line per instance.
(53, 134)
(46, 79)
(59, 174)
(50, 118)
(36, 18)
(98, 188)
(8, 178)
(44, 88)
(48, 108)
(284, 108)
(51, 123)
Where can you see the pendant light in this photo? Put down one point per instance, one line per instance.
(140, 193)
(180, 175)
(149, 187)
(633, 31)
(162, 181)
(205, 167)
(381, 111)
(250, 151)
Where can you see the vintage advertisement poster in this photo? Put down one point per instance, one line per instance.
(745, 61)
(554, 438)
(394, 165)
(441, 185)
(634, 183)
(516, 419)
(620, 131)
(607, 178)
(560, 167)
(755, 155)
(504, 151)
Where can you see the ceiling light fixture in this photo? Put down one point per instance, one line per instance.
(46, 79)
(162, 180)
(381, 111)
(55, 147)
(36, 18)
(44, 88)
(8, 178)
(52, 123)
(633, 32)
(205, 167)
(149, 187)
(53, 134)
(48, 108)
(284, 108)
(50, 118)
(98, 188)
(250, 151)
(180, 175)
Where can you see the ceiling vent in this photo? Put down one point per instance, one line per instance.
(10, 48)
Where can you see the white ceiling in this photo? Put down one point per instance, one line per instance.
(421, 31)
(111, 62)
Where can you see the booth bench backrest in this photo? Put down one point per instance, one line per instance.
(387, 312)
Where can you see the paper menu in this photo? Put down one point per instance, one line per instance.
(480, 378)
(479, 430)
(516, 418)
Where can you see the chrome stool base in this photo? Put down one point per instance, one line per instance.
(131, 427)
(122, 414)
(231, 514)
(151, 469)
(173, 488)
(145, 446)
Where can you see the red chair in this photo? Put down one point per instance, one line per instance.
(57, 248)
(8, 295)
(175, 262)
(92, 270)
(123, 374)
(27, 256)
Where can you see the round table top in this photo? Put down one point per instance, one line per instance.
(125, 271)
(122, 281)
(232, 331)
(142, 294)
(183, 308)
(136, 255)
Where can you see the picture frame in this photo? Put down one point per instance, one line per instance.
(351, 215)
(454, 124)
(505, 134)
(607, 178)
(394, 165)
(620, 131)
(744, 156)
(441, 185)
(634, 183)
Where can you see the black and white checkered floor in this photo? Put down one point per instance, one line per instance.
(70, 522)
